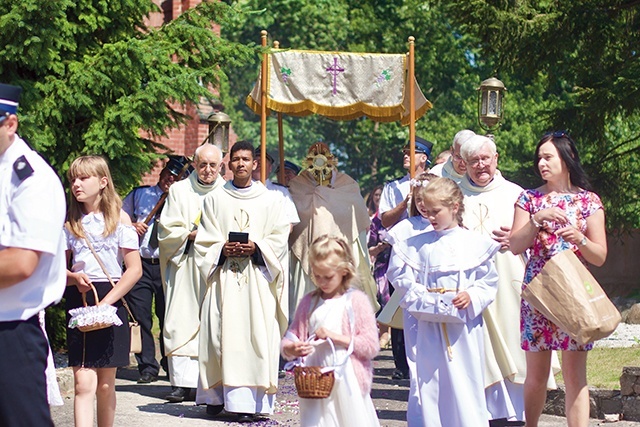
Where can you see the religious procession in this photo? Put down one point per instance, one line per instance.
(260, 265)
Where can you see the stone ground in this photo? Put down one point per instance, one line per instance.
(143, 405)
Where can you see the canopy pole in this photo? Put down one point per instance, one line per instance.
(263, 109)
(276, 45)
(412, 107)
(281, 150)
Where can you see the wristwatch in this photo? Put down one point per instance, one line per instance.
(583, 242)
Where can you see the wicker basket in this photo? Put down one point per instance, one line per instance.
(94, 326)
(311, 383)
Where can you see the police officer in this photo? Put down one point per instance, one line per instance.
(32, 268)
(139, 203)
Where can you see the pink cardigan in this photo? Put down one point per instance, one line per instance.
(366, 344)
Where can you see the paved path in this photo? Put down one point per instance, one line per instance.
(142, 404)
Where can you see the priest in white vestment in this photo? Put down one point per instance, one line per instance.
(454, 168)
(328, 202)
(244, 312)
(489, 201)
(183, 285)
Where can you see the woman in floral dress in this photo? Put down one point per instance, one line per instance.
(559, 215)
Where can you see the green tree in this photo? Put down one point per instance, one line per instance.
(95, 78)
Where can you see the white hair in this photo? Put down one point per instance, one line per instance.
(474, 144)
(461, 137)
(206, 146)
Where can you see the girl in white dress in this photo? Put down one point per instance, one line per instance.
(95, 214)
(345, 316)
(447, 278)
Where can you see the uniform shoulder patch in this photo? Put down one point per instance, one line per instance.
(22, 168)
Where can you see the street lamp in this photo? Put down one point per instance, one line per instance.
(490, 111)
(219, 123)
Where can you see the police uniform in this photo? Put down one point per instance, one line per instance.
(138, 204)
(32, 213)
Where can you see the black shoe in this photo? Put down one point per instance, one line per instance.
(245, 418)
(214, 410)
(147, 378)
(399, 375)
(180, 394)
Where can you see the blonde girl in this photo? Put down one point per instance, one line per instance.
(95, 216)
(335, 313)
(447, 277)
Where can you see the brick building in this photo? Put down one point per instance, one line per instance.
(187, 138)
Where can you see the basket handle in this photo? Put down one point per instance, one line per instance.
(95, 295)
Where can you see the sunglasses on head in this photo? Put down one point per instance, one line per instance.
(559, 134)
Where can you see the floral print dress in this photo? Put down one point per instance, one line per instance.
(537, 332)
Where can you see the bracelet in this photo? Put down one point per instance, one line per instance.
(535, 223)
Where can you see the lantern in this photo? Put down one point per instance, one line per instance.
(490, 111)
(219, 124)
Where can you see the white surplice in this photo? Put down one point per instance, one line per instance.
(450, 375)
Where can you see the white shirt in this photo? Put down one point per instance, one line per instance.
(138, 203)
(393, 193)
(32, 212)
(107, 248)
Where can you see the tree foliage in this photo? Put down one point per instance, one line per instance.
(97, 80)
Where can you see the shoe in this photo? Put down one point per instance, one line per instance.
(245, 418)
(399, 375)
(213, 410)
(147, 378)
(180, 394)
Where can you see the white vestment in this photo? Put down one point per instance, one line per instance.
(244, 312)
(448, 171)
(449, 372)
(336, 210)
(487, 209)
(183, 285)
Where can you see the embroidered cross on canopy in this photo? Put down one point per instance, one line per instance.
(339, 85)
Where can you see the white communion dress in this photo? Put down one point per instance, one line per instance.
(347, 405)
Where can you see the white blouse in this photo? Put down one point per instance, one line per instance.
(107, 248)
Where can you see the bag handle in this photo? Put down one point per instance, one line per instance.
(95, 295)
(104, 270)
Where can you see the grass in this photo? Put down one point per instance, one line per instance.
(604, 366)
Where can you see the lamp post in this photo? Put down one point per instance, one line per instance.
(490, 108)
(219, 123)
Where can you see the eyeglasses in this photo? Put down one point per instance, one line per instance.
(475, 162)
(457, 158)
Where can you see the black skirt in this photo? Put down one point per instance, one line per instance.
(104, 348)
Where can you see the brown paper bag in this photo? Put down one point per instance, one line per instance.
(568, 295)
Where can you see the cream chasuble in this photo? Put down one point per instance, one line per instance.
(487, 209)
(183, 285)
(244, 312)
(336, 210)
